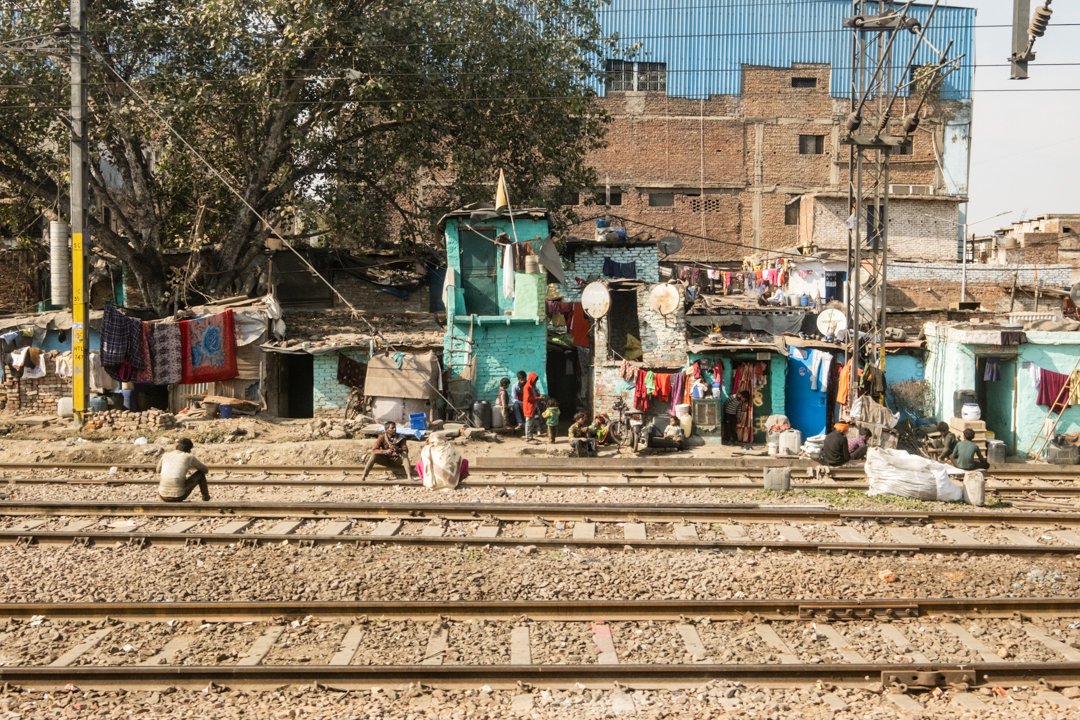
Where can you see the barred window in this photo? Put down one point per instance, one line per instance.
(706, 204)
(623, 76)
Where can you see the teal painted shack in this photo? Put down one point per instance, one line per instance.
(491, 334)
(1002, 365)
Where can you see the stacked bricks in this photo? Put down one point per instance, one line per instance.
(123, 422)
(35, 397)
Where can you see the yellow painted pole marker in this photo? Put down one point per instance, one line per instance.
(78, 329)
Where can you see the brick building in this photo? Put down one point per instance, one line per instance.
(727, 126)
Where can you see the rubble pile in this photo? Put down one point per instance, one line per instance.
(125, 421)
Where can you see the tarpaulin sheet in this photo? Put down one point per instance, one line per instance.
(417, 378)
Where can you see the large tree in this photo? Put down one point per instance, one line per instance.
(359, 117)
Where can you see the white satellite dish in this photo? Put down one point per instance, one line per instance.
(1074, 293)
(665, 299)
(830, 321)
(595, 300)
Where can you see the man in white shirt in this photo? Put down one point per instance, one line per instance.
(173, 467)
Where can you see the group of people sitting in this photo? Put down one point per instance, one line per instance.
(586, 437)
(965, 454)
(838, 448)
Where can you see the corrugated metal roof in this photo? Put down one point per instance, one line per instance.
(705, 43)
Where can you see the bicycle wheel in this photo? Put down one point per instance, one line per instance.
(618, 432)
(635, 438)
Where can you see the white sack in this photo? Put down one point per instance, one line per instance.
(895, 472)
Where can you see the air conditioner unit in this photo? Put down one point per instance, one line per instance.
(904, 189)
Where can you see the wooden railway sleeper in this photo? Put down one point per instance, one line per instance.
(927, 679)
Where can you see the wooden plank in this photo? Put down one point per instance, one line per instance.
(968, 701)
(231, 528)
(1056, 698)
(336, 527)
(436, 647)
(694, 646)
(686, 532)
(906, 704)
(285, 527)
(959, 537)
(790, 534)
(1063, 649)
(634, 531)
(850, 535)
(786, 654)
(973, 643)
(605, 644)
(181, 527)
(735, 533)
(1018, 537)
(436, 529)
(896, 637)
(520, 646)
(840, 643)
(487, 531)
(261, 646)
(905, 536)
(349, 645)
(74, 653)
(167, 655)
(584, 530)
(387, 528)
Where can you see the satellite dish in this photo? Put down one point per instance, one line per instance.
(595, 300)
(665, 299)
(1074, 293)
(669, 245)
(830, 321)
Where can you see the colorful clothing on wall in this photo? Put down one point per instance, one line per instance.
(208, 348)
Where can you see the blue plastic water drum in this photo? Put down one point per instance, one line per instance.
(98, 403)
(129, 399)
(418, 421)
(225, 411)
(804, 300)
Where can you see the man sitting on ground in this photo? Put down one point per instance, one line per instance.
(834, 451)
(173, 467)
(967, 455)
(391, 450)
(948, 441)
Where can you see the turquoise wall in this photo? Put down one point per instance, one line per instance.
(327, 393)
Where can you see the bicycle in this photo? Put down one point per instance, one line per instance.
(355, 403)
(627, 429)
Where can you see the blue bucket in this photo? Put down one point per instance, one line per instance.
(418, 421)
(224, 411)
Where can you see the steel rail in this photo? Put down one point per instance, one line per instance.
(136, 539)
(636, 468)
(551, 610)
(639, 675)
(655, 513)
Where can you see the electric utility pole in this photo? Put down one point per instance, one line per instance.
(80, 241)
(1025, 33)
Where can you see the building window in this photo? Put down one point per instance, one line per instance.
(811, 144)
(903, 148)
(622, 76)
(567, 197)
(791, 212)
(661, 199)
(804, 82)
(706, 204)
(608, 196)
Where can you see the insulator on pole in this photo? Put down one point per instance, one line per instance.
(854, 122)
(1039, 21)
(911, 123)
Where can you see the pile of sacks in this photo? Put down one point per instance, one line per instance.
(895, 472)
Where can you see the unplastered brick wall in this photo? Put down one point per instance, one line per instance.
(35, 397)
(1049, 275)
(588, 265)
(19, 290)
(663, 337)
(918, 229)
(367, 297)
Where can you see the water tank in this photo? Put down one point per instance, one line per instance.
(971, 411)
(961, 398)
(481, 414)
(59, 257)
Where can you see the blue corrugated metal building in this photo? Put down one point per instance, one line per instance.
(705, 43)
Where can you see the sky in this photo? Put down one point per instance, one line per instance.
(1025, 150)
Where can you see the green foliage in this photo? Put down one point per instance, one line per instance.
(366, 118)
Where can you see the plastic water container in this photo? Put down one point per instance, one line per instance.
(498, 419)
(98, 403)
(225, 411)
(481, 415)
(686, 422)
(418, 421)
(682, 409)
(995, 452)
(804, 300)
(65, 407)
(773, 448)
(790, 442)
(971, 411)
(129, 399)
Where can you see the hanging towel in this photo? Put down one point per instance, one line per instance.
(678, 383)
(1053, 390)
(208, 348)
(641, 396)
(663, 386)
(614, 269)
(579, 326)
(992, 370)
(508, 271)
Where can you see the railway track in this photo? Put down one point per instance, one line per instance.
(641, 644)
(699, 527)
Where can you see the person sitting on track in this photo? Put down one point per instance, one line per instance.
(173, 467)
(391, 450)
